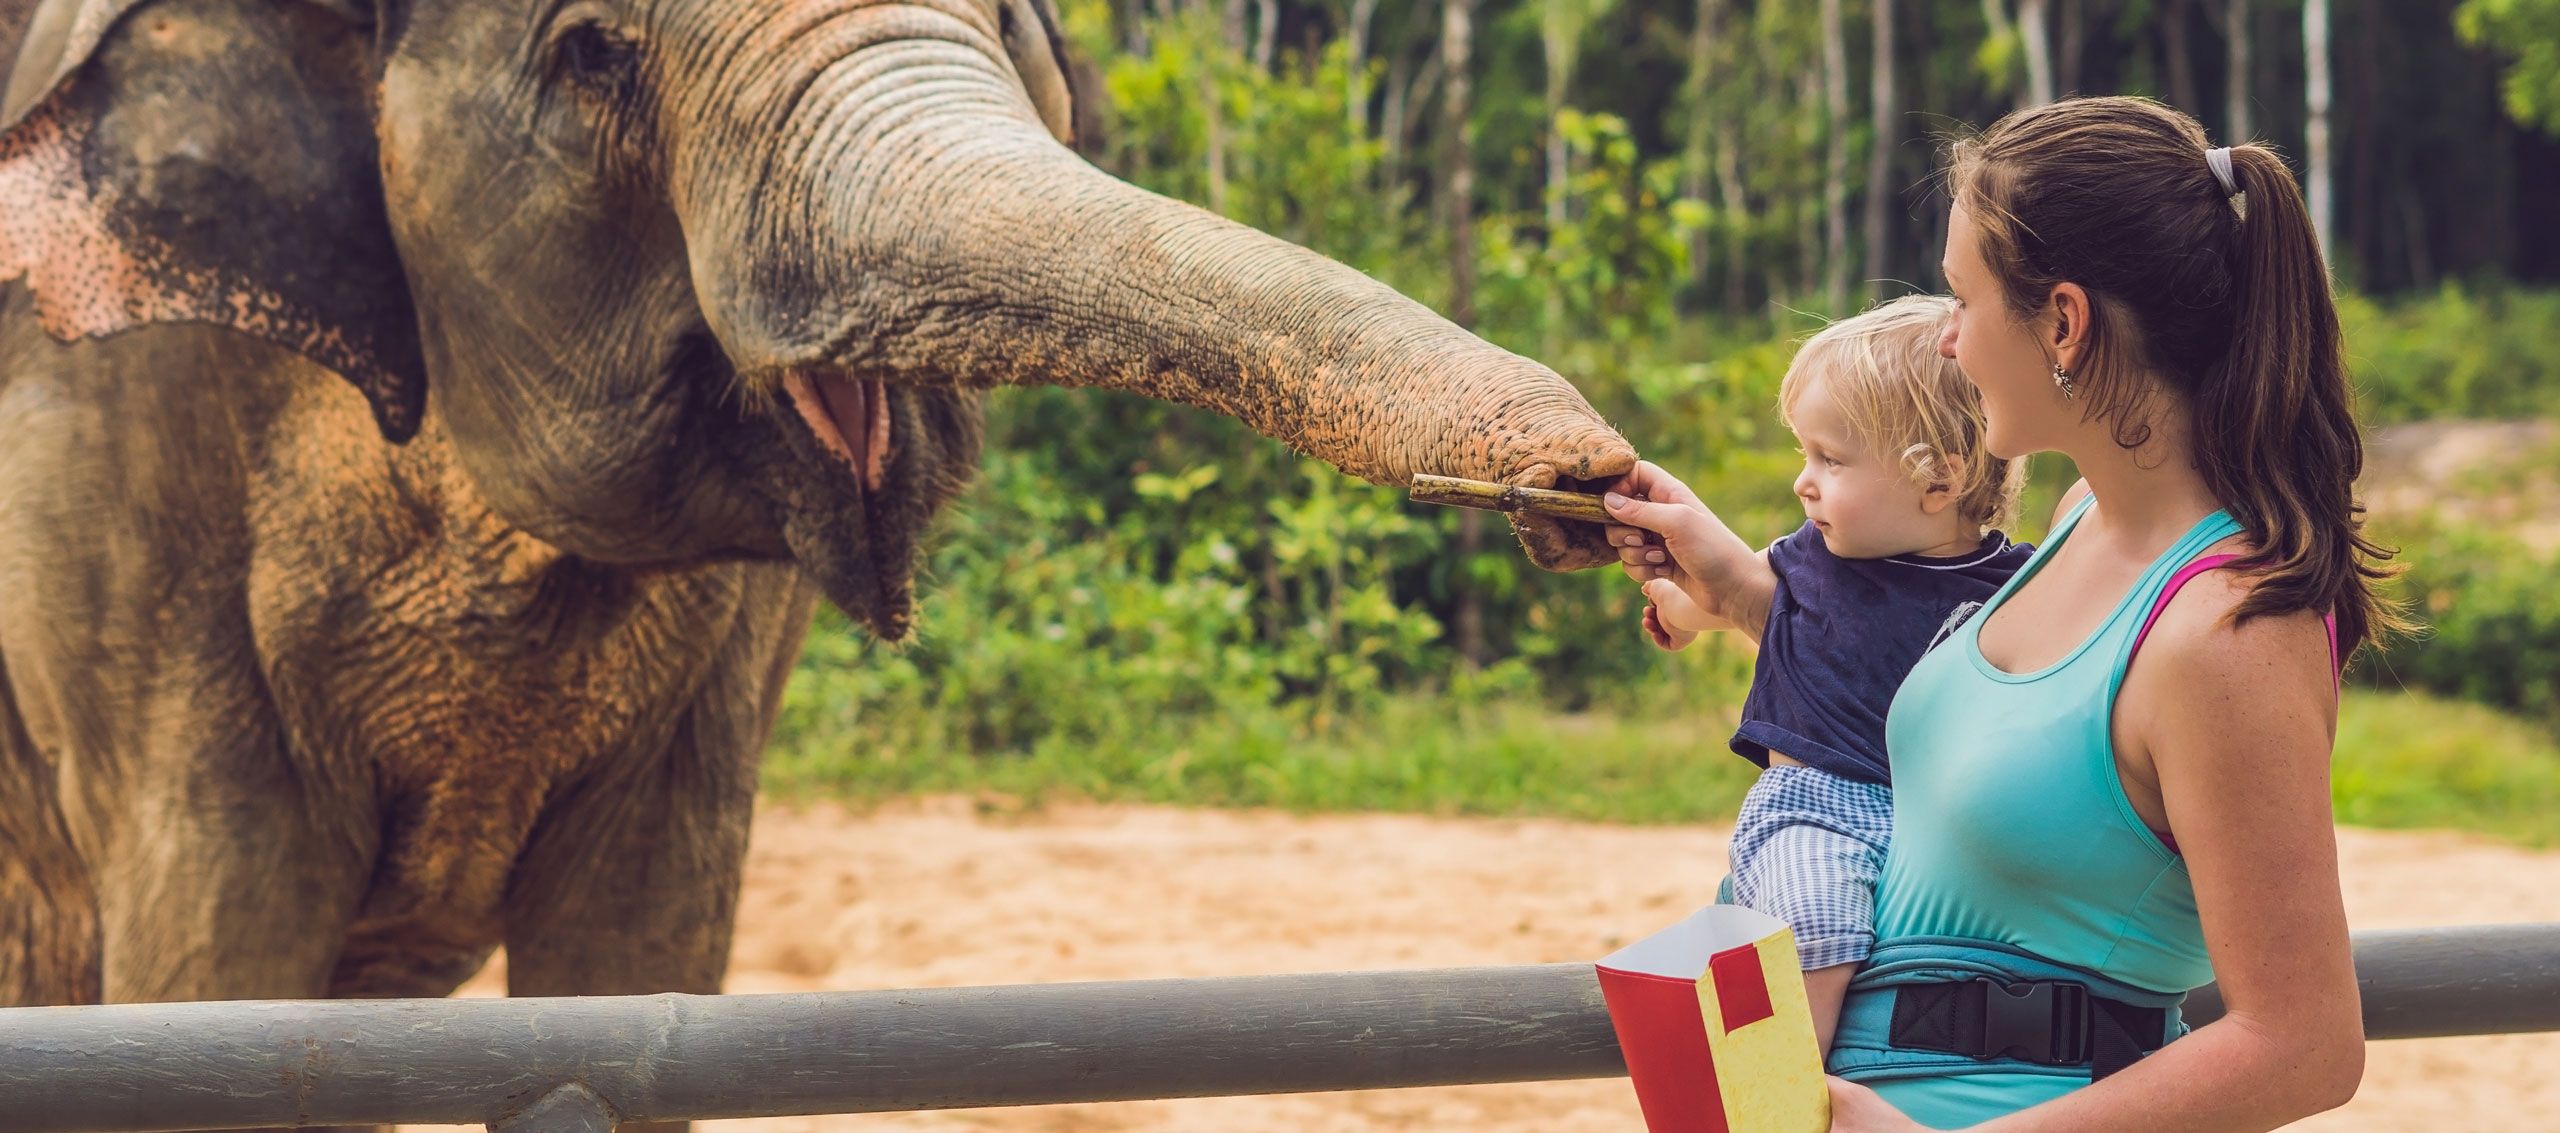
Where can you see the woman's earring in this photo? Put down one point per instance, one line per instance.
(2062, 378)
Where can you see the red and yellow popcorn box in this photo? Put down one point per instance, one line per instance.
(1711, 1015)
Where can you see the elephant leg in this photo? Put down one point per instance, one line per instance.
(226, 909)
(630, 888)
(48, 916)
(235, 872)
(236, 877)
(629, 884)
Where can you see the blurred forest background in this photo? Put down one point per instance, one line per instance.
(1659, 198)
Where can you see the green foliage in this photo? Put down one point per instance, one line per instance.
(1412, 753)
(2457, 352)
(1293, 160)
(2403, 760)
(2528, 32)
(1611, 267)
(2410, 760)
(1139, 601)
(2492, 629)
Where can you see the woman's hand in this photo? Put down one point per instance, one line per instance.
(1664, 532)
(1857, 1109)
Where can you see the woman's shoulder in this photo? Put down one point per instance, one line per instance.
(2211, 693)
(2200, 642)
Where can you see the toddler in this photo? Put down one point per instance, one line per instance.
(1899, 545)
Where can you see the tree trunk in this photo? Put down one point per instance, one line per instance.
(1694, 167)
(2315, 54)
(2413, 221)
(1835, 192)
(2035, 41)
(1737, 212)
(2364, 163)
(2075, 43)
(1808, 280)
(1216, 136)
(1355, 76)
(2235, 80)
(1131, 20)
(1391, 118)
(1885, 122)
(1457, 178)
(1266, 32)
(1997, 26)
(1457, 154)
(1557, 31)
(1404, 109)
(2179, 47)
(1470, 612)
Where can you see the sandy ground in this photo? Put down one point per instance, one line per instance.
(2499, 473)
(938, 893)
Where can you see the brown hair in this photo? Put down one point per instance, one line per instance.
(1908, 403)
(2224, 298)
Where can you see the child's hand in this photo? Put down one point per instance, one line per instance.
(1660, 526)
(1680, 614)
(1664, 533)
(1664, 637)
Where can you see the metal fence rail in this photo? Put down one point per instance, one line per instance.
(580, 1064)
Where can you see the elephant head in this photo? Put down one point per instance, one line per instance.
(708, 278)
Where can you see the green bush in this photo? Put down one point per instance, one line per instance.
(2528, 32)
(2413, 761)
(2456, 353)
(2491, 625)
(1144, 601)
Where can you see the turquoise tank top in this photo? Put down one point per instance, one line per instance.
(2012, 827)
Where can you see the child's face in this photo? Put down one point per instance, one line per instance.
(1864, 502)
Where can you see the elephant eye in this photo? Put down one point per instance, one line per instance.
(596, 57)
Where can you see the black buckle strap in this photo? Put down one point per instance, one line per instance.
(2047, 1022)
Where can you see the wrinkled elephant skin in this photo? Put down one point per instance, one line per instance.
(427, 425)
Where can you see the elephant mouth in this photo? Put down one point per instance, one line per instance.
(846, 526)
(849, 417)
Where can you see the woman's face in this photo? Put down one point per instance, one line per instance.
(2023, 410)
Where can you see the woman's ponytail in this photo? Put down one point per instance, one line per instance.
(2275, 430)
(2204, 273)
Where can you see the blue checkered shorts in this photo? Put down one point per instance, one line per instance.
(1807, 849)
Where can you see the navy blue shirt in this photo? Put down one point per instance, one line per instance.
(1842, 634)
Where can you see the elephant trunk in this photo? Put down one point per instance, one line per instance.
(952, 240)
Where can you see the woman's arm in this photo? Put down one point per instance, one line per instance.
(2238, 722)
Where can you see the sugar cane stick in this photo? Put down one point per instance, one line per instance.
(1488, 496)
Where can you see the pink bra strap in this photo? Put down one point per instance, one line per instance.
(2179, 581)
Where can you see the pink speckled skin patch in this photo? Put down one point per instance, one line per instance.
(92, 275)
(53, 234)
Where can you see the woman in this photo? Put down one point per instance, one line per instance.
(2083, 833)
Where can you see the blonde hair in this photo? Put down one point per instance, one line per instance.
(1905, 401)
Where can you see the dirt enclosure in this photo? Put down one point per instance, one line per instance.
(938, 893)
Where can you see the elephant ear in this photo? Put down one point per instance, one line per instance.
(208, 161)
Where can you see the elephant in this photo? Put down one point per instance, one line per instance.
(427, 427)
